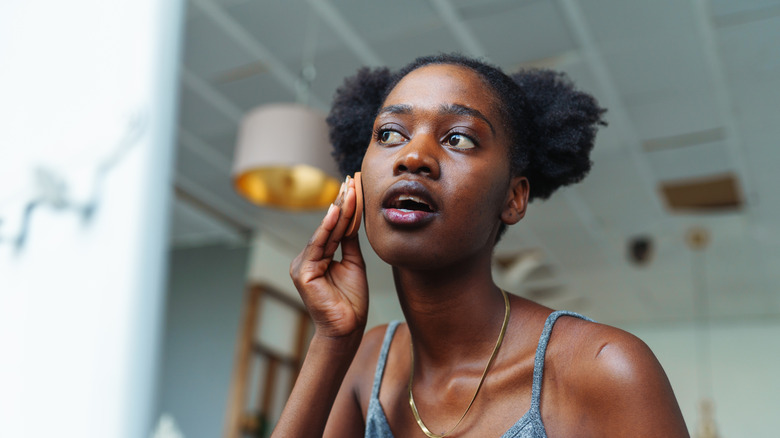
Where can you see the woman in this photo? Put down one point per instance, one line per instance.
(451, 150)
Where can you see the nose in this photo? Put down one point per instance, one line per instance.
(419, 156)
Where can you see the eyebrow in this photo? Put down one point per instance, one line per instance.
(396, 109)
(445, 109)
(461, 110)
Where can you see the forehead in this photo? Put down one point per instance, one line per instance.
(433, 85)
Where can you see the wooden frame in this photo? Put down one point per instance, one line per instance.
(240, 421)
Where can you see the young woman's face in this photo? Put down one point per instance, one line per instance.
(436, 175)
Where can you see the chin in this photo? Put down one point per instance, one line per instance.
(420, 251)
(397, 255)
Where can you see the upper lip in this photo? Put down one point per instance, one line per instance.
(408, 190)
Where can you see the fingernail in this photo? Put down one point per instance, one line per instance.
(330, 209)
(337, 201)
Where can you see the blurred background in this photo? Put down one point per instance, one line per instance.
(673, 236)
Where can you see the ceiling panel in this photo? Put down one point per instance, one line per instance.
(399, 50)
(750, 51)
(721, 8)
(667, 64)
(284, 27)
(384, 21)
(208, 50)
(510, 36)
(247, 91)
(612, 20)
(223, 142)
(688, 162)
(332, 67)
(659, 115)
(201, 117)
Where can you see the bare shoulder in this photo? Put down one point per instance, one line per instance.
(360, 376)
(372, 339)
(348, 412)
(368, 352)
(615, 377)
(609, 353)
(601, 358)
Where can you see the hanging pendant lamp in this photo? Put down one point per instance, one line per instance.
(282, 158)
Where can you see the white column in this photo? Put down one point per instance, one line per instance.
(86, 145)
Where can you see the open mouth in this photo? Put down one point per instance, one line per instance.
(410, 203)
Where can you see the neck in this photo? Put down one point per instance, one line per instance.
(454, 315)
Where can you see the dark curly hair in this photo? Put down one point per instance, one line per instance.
(552, 125)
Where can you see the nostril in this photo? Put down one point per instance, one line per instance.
(417, 158)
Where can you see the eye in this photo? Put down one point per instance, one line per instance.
(388, 136)
(459, 141)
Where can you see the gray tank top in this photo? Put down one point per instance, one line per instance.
(528, 426)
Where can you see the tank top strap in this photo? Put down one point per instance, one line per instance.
(380, 364)
(541, 349)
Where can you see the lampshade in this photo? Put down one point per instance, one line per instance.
(283, 160)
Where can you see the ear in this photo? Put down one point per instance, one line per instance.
(516, 200)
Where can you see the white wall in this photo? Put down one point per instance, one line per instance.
(205, 297)
(87, 119)
(745, 372)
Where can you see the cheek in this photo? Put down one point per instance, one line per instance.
(479, 212)
(371, 161)
(369, 172)
(484, 187)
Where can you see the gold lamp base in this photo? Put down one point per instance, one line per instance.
(300, 187)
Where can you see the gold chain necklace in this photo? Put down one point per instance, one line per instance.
(420, 423)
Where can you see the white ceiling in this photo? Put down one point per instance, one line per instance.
(706, 70)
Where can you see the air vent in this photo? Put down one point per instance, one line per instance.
(715, 193)
(683, 140)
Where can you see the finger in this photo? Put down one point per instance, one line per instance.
(348, 201)
(357, 216)
(351, 253)
(315, 249)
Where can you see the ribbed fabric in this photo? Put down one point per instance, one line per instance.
(528, 426)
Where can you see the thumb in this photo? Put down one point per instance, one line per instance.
(350, 252)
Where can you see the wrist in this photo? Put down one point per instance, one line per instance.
(340, 344)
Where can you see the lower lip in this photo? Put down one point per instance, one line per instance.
(407, 218)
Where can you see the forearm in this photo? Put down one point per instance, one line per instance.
(318, 383)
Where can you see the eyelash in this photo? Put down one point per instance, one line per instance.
(379, 131)
(471, 138)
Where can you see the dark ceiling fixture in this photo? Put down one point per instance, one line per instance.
(640, 250)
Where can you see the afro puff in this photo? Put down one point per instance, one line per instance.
(551, 124)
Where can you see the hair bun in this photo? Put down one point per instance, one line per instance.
(358, 98)
(563, 128)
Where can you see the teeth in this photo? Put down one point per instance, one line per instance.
(411, 198)
(409, 202)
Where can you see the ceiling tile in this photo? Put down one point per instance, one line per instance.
(691, 161)
(510, 36)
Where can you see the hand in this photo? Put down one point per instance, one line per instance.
(334, 292)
